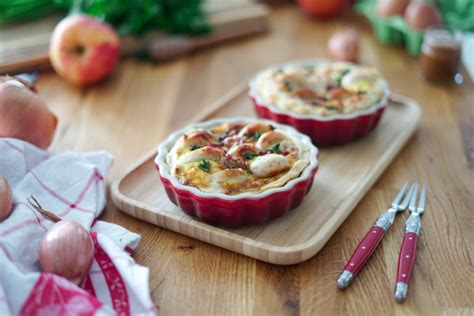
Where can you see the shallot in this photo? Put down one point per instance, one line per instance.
(421, 15)
(5, 198)
(66, 249)
(388, 8)
(344, 45)
(23, 114)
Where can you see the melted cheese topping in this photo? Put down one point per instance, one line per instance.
(235, 158)
(323, 89)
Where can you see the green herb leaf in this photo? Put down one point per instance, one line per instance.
(275, 148)
(205, 165)
(250, 156)
(341, 75)
(289, 85)
(257, 135)
(194, 147)
(142, 16)
(333, 108)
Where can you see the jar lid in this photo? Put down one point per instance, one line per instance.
(442, 37)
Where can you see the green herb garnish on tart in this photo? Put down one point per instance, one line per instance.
(275, 148)
(289, 85)
(250, 156)
(205, 165)
(341, 75)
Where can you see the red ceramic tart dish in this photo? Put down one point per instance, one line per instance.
(192, 185)
(333, 103)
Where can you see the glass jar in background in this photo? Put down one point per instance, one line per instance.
(441, 56)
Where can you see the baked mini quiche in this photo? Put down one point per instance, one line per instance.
(320, 89)
(234, 158)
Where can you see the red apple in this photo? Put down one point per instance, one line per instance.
(84, 50)
(324, 8)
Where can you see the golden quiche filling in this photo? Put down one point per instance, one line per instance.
(322, 89)
(234, 158)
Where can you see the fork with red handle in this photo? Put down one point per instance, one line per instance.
(406, 258)
(373, 237)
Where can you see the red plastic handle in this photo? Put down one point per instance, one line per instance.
(364, 250)
(406, 259)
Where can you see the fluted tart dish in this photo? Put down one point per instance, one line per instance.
(235, 172)
(332, 102)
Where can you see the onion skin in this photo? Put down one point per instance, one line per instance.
(388, 8)
(421, 15)
(344, 46)
(24, 115)
(6, 200)
(67, 250)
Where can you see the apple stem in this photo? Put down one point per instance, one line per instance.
(76, 7)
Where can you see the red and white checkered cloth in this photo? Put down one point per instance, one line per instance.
(73, 187)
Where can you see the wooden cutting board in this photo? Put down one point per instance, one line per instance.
(345, 175)
(24, 47)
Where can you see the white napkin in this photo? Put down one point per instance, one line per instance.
(73, 186)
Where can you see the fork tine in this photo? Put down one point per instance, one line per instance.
(399, 196)
(412, 206)
(407, 198)
(33, 202)
(422, 200)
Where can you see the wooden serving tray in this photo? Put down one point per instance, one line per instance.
(345, 175)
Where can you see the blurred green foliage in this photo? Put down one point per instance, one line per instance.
(135, 17)
(458, 14)
(12, 11)
(140, 16)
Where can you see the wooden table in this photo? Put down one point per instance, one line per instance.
(132, 112)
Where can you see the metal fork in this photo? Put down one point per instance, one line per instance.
(406, 259)
(368, 244)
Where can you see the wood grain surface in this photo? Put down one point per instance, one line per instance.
(131, 112)
(301, 233)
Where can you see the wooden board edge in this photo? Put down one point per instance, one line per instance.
(273, 254)
(221, 102)
(313, 245)
(214, 107)
(38, 63)
(204, 232)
